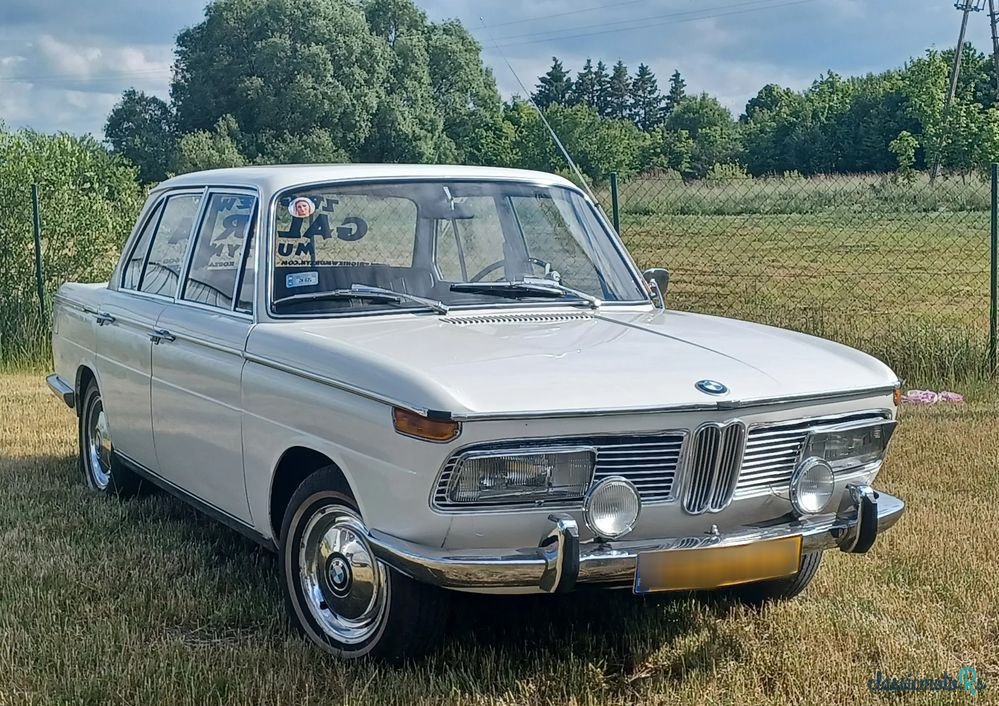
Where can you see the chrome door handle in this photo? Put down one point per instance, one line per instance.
(103, 318)
(160, 335)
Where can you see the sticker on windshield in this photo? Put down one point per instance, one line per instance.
(301, 279)
(301, 207)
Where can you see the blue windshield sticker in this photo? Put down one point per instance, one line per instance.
(302, 279)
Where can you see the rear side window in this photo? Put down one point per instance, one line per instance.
(219, 250)
(169, 248)
(133, 268)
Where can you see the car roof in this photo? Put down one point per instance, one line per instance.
(271, 179)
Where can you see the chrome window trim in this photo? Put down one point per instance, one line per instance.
(156, 211)
(547, 442)
(173, 193)
(271, 238)
(211, 191)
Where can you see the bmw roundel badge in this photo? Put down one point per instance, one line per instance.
(711, 387)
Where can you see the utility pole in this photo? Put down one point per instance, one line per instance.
(994, 21)
(966, 7)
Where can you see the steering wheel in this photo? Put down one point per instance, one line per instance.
(489, 269)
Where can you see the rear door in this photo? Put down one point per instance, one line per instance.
(197, 359)
(127, 317)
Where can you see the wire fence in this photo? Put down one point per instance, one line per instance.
(899, 267)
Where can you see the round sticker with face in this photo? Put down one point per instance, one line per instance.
(301, 207)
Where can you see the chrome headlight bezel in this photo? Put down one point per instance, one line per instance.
(827, 443)
(545, 490)
(815, 470)
(593, 496)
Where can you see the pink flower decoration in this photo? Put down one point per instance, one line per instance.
(930, 397)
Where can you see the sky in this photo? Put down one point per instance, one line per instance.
(64, 63)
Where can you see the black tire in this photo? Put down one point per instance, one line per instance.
(779, 589)
(406, 624)
(103, 473)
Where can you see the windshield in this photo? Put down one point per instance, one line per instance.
(434, 240)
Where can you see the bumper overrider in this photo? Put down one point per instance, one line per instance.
(561, 560)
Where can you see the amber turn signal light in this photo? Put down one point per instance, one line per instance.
(897, 397)
(420, 427)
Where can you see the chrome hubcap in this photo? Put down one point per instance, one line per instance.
(99, 445)
(344, 585)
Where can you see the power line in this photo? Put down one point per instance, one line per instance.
(565, 14)
(149, 73)
(632, 20)
(655, 24)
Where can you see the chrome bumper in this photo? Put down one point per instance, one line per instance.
(560, 561)
(62, 389)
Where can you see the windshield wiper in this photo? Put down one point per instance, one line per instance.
(526, 288)
(365, 292)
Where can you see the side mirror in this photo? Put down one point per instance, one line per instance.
(658, 278)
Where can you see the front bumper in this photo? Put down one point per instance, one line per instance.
(560, 561)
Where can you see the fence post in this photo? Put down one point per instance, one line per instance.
(39, 276)
(994, 272)
(615, 203)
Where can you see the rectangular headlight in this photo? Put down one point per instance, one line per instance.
(516, 477)
(850, 447)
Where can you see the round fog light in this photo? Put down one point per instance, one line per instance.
(611, 509)
(812, 486)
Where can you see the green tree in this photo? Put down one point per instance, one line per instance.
(677, 92)
(904, 148)
(602, 90)
(140, 128)
(284, 66)
(710, 125)
(646, 100)
(89, 201)
(584, 88)
(619, 92)
(598, 145)
(554, 88)
(211, 149)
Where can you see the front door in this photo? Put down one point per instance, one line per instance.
(197, 360)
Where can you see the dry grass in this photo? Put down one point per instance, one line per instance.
(145, 602)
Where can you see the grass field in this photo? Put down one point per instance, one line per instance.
(145, 602)
(900, 271)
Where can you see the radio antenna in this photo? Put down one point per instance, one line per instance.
(530, 101)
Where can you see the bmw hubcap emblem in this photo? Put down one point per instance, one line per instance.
(711, 387)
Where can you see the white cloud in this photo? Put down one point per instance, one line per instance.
(64, 62)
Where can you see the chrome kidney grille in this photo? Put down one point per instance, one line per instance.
(713, 463)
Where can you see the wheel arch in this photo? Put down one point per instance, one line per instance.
(84, 376)
(295, 465)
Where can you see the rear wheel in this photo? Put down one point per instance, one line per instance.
(779, 589)
(339, 595)
(101, 469)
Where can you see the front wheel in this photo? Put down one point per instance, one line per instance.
(339, 595)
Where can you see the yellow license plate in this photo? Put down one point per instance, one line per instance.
(716, 567)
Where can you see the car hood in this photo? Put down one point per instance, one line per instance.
(563, 361)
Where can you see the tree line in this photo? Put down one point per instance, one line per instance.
(311, 81)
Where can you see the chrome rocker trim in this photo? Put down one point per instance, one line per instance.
(62, 389)
(561, 561)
